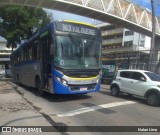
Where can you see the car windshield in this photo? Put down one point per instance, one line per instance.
(77, 53)
(153, 76)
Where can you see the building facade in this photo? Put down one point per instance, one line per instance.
(116, 38)
(4, 53)
(123, 49)
(3, 42)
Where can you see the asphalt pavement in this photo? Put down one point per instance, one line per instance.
(22, 106)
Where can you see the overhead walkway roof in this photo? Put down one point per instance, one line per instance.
(119, 12)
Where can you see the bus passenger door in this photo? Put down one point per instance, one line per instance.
(46, 74)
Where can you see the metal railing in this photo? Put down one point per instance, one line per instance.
(133, 60)
(112, 41)
(5, 51)
(112, 32)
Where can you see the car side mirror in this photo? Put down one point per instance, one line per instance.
(142, 79)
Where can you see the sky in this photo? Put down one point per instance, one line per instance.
(57, 15)
(147, 4)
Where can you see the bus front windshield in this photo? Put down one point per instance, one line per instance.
(77, 53)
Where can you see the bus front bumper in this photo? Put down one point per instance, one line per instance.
(60, 88)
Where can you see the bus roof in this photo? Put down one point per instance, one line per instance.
(83, 23)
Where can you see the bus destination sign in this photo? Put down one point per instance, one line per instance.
(70, 27)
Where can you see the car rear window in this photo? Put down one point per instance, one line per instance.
(125, 74)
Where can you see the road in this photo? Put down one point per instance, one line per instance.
(93, 109)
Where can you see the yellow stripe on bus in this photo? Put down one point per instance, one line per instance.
(70, 21)
(82, 78)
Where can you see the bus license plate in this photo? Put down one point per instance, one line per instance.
(83, 88)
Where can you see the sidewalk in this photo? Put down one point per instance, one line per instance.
(15, 111)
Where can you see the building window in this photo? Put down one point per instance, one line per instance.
(142, 36)
(141, 43)
(128, 43)
(128, 33)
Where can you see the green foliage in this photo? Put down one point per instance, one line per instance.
(18, 23)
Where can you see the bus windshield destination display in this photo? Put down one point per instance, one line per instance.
(68, 27)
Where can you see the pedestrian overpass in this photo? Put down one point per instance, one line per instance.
(118, 12)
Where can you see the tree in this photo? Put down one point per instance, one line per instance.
(18, 23)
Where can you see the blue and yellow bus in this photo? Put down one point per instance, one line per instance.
(62, 58)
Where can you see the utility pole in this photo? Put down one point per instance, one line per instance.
(152, 48)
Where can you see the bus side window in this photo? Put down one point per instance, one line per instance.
(35, 51)
(25, 54)
(21, 56)
(18, 57)
(46, 45)
(30, 53)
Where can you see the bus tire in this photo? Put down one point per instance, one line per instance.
(39, 86)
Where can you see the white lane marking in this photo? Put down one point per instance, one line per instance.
(93, 108)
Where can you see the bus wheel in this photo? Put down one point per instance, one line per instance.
(39, 87)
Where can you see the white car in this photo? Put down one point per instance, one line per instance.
(142, 83)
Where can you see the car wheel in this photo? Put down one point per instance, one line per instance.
(39, 87)
(153, 99)
(114, 91)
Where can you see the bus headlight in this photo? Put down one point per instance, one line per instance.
(58, 79)
(64, 82)
(97, 81)
(100, 74)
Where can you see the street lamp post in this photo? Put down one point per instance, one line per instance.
(152, 48)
